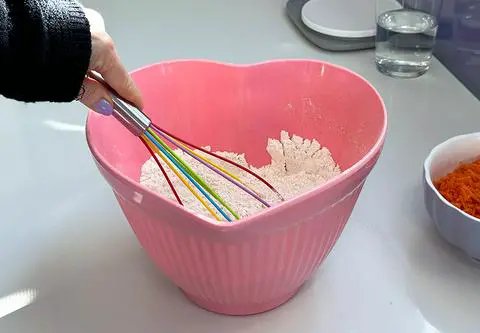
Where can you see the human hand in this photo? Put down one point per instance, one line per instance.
(105, 61)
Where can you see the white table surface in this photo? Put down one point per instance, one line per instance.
(62, 233)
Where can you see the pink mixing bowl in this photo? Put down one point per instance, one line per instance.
(260, 262)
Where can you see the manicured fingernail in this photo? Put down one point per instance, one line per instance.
(104, 107)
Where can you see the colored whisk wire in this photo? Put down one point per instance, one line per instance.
(187, 172)
(232, 178)
(206, 160)
(270, 186)
(183, 180)
(162, 169)
(195, 175)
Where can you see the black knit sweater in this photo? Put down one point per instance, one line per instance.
(45, 48)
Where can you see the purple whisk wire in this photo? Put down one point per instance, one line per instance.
(241, 167)
(227, 177)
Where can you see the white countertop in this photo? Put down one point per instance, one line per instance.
(63, 234)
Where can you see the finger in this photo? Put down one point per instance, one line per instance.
(96, 97)
(116, 75)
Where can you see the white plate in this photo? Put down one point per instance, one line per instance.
(340, 18)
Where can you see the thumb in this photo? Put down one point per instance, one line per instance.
(96, 97)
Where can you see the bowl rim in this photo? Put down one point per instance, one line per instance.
(278, 208)
(427, 167)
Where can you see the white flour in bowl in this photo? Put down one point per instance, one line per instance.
(297, 165)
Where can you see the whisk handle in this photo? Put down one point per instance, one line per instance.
(130, 116)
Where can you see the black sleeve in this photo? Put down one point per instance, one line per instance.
(45, 48)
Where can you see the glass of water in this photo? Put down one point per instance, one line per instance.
(406, 32)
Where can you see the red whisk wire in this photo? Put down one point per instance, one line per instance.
(221, 158)
(162, 169)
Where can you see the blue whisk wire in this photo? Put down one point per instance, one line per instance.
(174, 161)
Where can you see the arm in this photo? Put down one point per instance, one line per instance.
(45, 49)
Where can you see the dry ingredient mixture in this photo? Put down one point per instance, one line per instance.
(462, 188)
(297, 165)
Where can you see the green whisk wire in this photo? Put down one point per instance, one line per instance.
(192, 173)
(165, 153)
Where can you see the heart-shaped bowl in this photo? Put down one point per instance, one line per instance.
(457, 227)
(258, 263)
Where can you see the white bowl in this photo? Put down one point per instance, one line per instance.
(457, 227)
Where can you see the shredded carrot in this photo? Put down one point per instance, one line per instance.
(462, 188)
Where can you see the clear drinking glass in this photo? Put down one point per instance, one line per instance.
(406, 32)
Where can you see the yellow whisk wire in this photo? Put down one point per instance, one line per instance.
(195, 176)
(206, 160)
(190, 188)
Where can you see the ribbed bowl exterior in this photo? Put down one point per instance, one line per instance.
(246, 275)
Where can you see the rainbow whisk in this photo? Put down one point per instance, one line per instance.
(158, 142)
